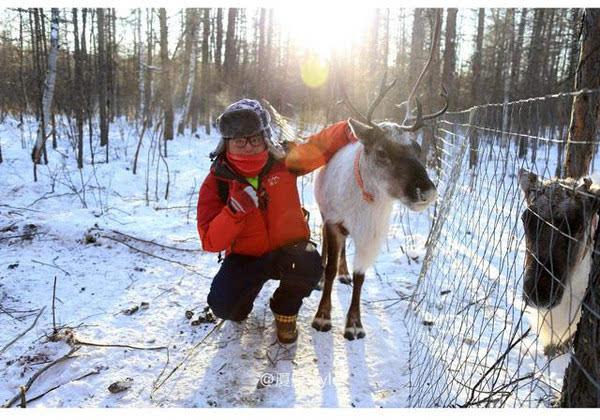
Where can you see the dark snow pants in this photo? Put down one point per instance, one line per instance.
(241, 277)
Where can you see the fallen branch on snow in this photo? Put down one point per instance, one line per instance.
(498, 361)
(54, 330)
(67, 335)
(47, 196)
(191, 353)
(184, 265)
(24, 332)
(146, 241)
(52, 265)
(21, 208)
(85, 343)
(37, 397)
(27, 235)
(36, 375)
(173, 207)
(187, 266)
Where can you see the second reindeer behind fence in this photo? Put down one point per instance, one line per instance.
(559, 223)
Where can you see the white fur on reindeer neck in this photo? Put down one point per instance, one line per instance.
(367, 222)
(555, 326)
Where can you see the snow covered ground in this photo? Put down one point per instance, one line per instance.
(84, 228)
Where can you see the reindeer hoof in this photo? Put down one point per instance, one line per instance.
(344, 279)
(321, 324)
(354, 332)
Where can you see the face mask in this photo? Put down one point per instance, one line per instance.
(248, 165)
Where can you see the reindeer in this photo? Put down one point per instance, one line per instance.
(559, 223)
(356, 191)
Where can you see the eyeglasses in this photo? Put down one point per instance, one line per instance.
(240, 142)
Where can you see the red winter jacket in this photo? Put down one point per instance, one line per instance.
(279, 220)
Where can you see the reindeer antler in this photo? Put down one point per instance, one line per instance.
(444, 95)
(420, 119)
(383, 90)
(345, 100)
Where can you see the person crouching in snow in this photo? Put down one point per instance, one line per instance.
(249, 207)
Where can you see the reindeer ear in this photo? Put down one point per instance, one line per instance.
(585, 184)
(364, 133)
(594, 190)
(528, 181)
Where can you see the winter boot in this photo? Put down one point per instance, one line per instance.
(286, 328)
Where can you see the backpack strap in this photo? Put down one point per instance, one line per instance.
(223, 189)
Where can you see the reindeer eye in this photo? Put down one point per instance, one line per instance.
(528, 218)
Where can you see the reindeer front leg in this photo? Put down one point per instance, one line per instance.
(354, 328)
(321, 283)
(334, 240)
(342, 275)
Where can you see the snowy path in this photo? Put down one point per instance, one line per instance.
(97, 281)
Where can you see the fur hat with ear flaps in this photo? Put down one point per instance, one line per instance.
(246, 118)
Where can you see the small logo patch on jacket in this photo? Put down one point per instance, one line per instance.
(273, 180)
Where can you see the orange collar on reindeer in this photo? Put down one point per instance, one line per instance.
(367, 196)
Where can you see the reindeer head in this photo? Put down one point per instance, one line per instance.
(559, 222)
(392, 157)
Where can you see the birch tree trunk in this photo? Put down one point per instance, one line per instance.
(575, 19)
(148, 91)
(585, 109)
(417, 39)
(115, 102)
(48, 91)
(515, 65)
(431, 83)
(582, 376)
(229, 62)
(386, 38)
(140, 52)
(103, 81)
(166, 99)
(78, 86)
(449, 68)
(532, 77)
(372, 57)
(509, 24)
(476, 71)
(204, 87)
(219, 41)
(26, 106)
(262, 54)
(189, 91)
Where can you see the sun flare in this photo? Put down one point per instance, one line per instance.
(325, 30)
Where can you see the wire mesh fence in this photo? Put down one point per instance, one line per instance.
(476, 338)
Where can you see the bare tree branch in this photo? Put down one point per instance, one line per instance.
(37, 397)
(85, 343)
(24, 332)
(36, 375)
